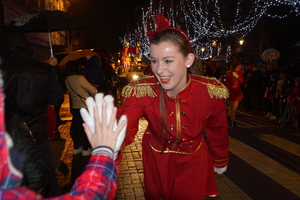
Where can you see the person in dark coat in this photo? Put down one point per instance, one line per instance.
(29, 86)
(111, 78)
(93, 72)
(26, 156)
(254, 87)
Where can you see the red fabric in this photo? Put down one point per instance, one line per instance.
(98, 181)
(8, 178)
(186, 171)
(233, 86)
(51, 122)
(163, 23)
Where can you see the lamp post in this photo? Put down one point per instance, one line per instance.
(202, 52)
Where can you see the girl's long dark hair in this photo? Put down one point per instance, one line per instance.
(183, 45)
(234, 65)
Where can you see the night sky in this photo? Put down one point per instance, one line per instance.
(107, 20)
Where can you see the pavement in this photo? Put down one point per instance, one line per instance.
(253, 173)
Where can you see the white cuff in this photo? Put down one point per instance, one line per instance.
(220, 170)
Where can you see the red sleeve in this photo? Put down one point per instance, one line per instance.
(241, 77)
(217, 135)
(98, 181)
(228, 81)
(133, 110)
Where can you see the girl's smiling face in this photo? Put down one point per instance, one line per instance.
(170, 66)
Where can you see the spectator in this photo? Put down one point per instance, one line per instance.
(270, 98)
(93, 72)
(79, 89)
(29, 87)
(111, 78)
(284, 106)
(292, 112)
(254, 88)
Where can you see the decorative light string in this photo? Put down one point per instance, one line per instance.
(203, 20)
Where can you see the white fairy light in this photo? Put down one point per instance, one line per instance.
(202, 20)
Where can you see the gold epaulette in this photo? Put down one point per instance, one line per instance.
(139, 88)
(215, 87)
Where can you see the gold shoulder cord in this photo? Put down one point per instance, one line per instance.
(219, 91)
(139, 90)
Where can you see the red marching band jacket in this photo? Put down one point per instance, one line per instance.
(181, 164)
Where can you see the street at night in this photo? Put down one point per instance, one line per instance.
(150, 99)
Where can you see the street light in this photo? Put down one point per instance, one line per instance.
(202, 51)
(241, 41)
(214, 44)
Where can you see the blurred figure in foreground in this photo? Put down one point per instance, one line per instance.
(30, 86)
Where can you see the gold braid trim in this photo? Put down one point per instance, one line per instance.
(220, 92)
(139, 90)
(216, 88)
(178, 152)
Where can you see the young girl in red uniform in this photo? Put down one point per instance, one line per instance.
(234, 78)
(186, 140)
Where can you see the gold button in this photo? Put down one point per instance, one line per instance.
(183, 113)
(172, 128)
(184, 127)
(171, 114)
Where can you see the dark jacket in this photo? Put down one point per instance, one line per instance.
(93, 71)
(29, 85)
(32, 165)
(254, 83)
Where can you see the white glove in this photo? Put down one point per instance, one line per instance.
(88, 117)
(109, 100)
(220, 170)
(99, 101)
(235, 75)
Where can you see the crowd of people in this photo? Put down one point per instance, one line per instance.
(263, 87)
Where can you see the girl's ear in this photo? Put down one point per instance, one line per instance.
(190, 59)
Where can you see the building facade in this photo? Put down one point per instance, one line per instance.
(62, 41)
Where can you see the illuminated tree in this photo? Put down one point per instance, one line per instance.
(211, 20)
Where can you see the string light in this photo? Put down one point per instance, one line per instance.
(202, 20)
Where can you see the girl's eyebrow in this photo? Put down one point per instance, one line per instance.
(167, 57)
